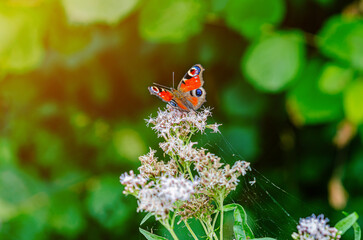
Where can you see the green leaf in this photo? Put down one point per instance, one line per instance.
(146, 218)
(98, 11)
(353, 104)
(249, 17)
(229, 207)
(357, 230)
(241, 228)
(171, 21)
(21, 33)
(347, 222)
(151, 236)
(273, 62)
(307, 104)
(334, 78)
(238, 231)
(341, 38)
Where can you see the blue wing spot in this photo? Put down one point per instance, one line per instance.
(198, 69)
(173, 103)
(198, 92)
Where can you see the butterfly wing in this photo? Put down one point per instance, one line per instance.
(196, 98)
(190, 87)
(169, 97)
(192, 79)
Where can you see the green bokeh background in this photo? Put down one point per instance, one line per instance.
(285, 78)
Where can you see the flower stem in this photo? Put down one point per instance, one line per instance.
(208, 231)
(215, 220)
(190, 136)
(171, 231)
(190, 229)
(221, 220)
(173, 234)
(205, 229)
(211, 230)
(190, 173)
(176, 161)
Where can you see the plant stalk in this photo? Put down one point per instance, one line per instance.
(171, 231)
(190, 173)
(211, 229)
(190, 229)
(175, 237)
(207, 232)
(221, 220)
(215, 219)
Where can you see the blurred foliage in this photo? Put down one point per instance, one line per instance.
(284, 77)
(274, 61)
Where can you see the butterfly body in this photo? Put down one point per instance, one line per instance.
(189, 96)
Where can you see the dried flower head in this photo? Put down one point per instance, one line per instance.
(315, 228)
(152, 168)
(199, 206)
(216, 179)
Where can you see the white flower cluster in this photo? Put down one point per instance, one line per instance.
(152, 168)
(159, 198)
(132, 182)
(176, 146)
(172, 120)
(216, 178)
(174, 189)
(170, 186)
(316, 228)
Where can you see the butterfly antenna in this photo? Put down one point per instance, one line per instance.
(159, 85)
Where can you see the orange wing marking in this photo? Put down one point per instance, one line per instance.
(191, 84)
(165, 95)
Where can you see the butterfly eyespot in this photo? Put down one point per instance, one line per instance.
(198, 92)
(155, 89)
(194, 71)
